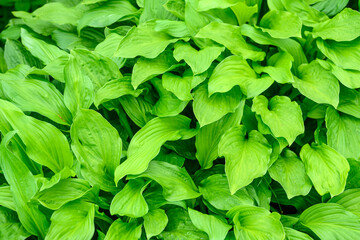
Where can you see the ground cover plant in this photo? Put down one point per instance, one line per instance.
(181, 119)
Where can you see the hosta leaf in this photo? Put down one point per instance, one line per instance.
(199, 61)
(292, 234)
(210, 109)
(238, 149)
(44, 143)
(15, 54)
(144, 41)
(281, 115)
(120, 230)
(234, 70)
(289, 171)
(349, 200)
(215, 227)
(154, 9)
(176, 182)
(130, 201)
(146, 143)
(343, 27)
(6, 198)
(155, 222)
(97, 146)
(318, 84)
(326, 168)
(342, 133)
(74, 220)
(10, 227)
(349, 102)
(281, 24)
(230, 36)
(179, 86)
(331, 221)
(256, 223)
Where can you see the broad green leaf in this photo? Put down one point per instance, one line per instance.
(106, 14)
(349, 102)
(278, 67)
(256, 223)
(281, 115)
(330, 7)
(15, 54)
(56, 68)
(179, 86)
(215, 226)
(208, 138)
(343, 27)
(281, 24)
(44, 143)
(154, 9)
(292, 234)
(342, 133)
(97, 146)
(130, 201)
(155, 222)
(10, 227)
(173, 28)
(326, 168)
(79, 90)
(349, 200)
(199, 61)
(331, 221)
(245, 12)
(234, 70)
(230, 36)
(353, 180)
(106, 48)
(37, 96)
(181, 227)
(168, 104)
(63, 192)
(144, 41)
(40, 49)
(115, 89)
(342, 54)
(210, 109)
(246, 156)
(120, 230)
(145, 69)
(137, 109)
(6, 198)
(146, 143)
(215, 190)
(204, 5)
(176, 182)
(155, 198)
(176, 7)
(23, 187)
(318, 84)
(74, 220)
(289, 171)
(350, 78)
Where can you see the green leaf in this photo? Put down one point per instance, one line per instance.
(342, 133)
(144, 41)
(120, 230)
(210, 109)
(349, 200)
(230, 36)
(74, 220)
(215, 190)
(326, 168)
(179, 86)
(281, 24)
(204, 5)
(281, 115)
(154, 9)
(208, 138)
(106, 14)
(97, 146)
(199, 61)
(15, 54)
(176, 182)
(318, 84)
(115, 89)
(176, 7)
(256, 223)
(6, 198)
(173, 28)
(238, 149)
(234, 70)
(130, 201)
(40, 49)
(146, 143)
(145, 69)
(155, 222)
(289, 171)
(23, 187)
(215, 227)
(63, 192)
(44, 143)
(343, 27)
(292, 234)
(10, 227)
(331, 221)
(181, 227)
(349, 102)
